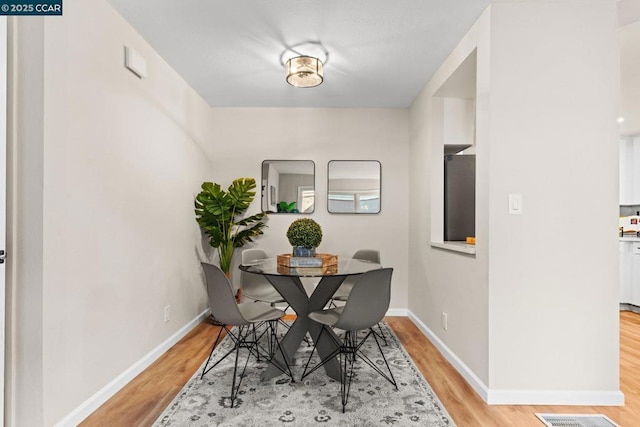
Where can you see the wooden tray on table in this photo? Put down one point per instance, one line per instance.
(319, 260)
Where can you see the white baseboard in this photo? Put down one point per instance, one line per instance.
(556, 397)
(468, 375)
(400, 312)
(519, 397)
(95, 401)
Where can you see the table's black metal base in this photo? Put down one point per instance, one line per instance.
(293, 292)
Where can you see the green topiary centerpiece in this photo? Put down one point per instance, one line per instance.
(305, 235)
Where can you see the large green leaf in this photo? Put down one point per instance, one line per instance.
(245, 236)
(240, 191)
(251, 219)
(219, 214)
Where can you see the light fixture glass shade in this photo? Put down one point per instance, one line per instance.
(304, 71)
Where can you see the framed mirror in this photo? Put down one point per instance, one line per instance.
(288, 186)
(354, 186)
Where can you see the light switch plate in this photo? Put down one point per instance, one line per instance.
(515, 204)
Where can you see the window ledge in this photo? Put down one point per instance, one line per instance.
(461, 247)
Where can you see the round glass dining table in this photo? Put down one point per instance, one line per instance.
(286, 280)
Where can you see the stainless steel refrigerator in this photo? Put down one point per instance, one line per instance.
(459, 197)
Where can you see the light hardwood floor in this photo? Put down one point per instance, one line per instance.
(144, 398)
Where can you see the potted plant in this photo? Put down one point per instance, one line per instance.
(219, 214)
(305, 235)
(287, 207)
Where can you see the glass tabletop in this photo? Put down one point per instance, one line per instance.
(347, 267)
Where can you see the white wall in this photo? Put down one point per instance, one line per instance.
(246, 137)
(533, 317)
(554, 104)
(25, 158)
(443, 281)
(108, 168)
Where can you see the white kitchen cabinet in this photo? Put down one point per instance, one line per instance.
(630, 170)
(625, 168)
(626, 249)
(635, 273)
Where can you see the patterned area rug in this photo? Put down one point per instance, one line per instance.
(315, 401)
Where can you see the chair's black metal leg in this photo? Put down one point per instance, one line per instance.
(393, 380)
(246, 362)
(348, 358)
(255, 339)
(267, 353)
(275, 334)
(315, 343)
(277, 343)
(272, 333)
(368, 361)
(235, 371)
(283, 323)
(382, 335)
(242, 342)
(343, 379)
(215, 344)
(353, 344)
(217, 363)
(324, 361)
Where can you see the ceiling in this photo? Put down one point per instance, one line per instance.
(381, 53)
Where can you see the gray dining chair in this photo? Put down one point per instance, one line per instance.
(342, 294)
(244, 316)
(366, 306)
(255, 286)
(345, 288)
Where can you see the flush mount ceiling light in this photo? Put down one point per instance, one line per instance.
(304, 63)
(304, 71)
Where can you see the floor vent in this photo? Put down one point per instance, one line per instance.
(576, 420)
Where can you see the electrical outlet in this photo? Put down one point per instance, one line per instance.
(444, 320)
(167, 313)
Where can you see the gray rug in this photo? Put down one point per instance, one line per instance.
(315, 401)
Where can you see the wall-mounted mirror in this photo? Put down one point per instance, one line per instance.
(288, 186)
(354, 186)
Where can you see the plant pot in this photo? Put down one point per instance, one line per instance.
(302, 251)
